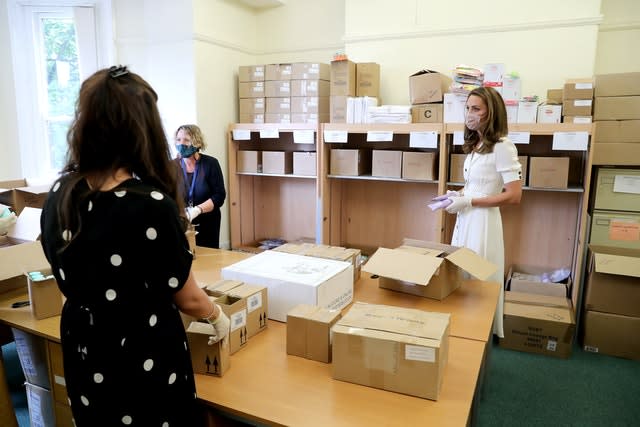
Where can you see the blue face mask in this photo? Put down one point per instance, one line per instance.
(186, 150)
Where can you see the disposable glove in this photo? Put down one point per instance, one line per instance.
(192, 212)
(221, 325)
(446, 196)
(458, 203)
(6, 221)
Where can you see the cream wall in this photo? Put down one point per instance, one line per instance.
(544, 41)
(619, 37)
(10, 167)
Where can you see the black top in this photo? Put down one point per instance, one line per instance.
(125, 352)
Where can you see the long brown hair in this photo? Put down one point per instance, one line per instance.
(116, 125)
(495, 125)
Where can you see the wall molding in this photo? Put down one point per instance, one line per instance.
(526, 26)
(620, 26)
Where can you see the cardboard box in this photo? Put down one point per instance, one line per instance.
(278, 72)
(418, 165)
(578, 89)
(549, 172)
(554, 96)
(618, 131)
(310, 104)
(251, 73)
(277, 88)
(427, 269)
(251, 90)
(32, 352)
(236, 309)
(427, 86)
(309, 332)
(56, 367)
(523, 162)
(338, 109)
(618, 229)
(619, 84)
(527, 112)
(251, 106)
(309, 88)
(40, 404)
(538, 324)
(15, 259)
(577, 107)
(257, 301)
(386, 163)
(27, 226)
(309, 118)
(295, 279)
(619, 154)
(343, 78)
(613, 283)
(427, 113)
(7, 195)
(305, 163)
(392, 348)
(310, 71)
(350, 162)
(44, 294)
(526, 279)
(456, 167)
(617, 189)
(277, 162)
(249, 161)
(350, 255)
(453, 107)
(548, 113)
(30, 197)
(611, 334)
(277, 118)
(368, 79)
(577, 119)
(252, 118)
(207, 359)
(278, 105)
(617, 108)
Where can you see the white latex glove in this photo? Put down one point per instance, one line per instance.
(458, 203)
(450, 193)
(221, 324)
(6, 222)
(192, 212)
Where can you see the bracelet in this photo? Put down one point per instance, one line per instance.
(210, 315)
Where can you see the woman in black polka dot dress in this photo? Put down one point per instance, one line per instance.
(112, 231)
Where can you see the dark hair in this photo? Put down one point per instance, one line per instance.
(495, 127)
(116, 125)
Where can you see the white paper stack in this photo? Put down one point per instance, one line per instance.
(389, 114)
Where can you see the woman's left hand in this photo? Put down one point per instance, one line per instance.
(458, 203)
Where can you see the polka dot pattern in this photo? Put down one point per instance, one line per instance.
(172, 378)
(120, 193)
(173, 282)
(90, 206)
(116, 260)
(157, 195)
(153, 320)
(151, 233)
(98, 378)
(127, 420)
(56, 187)
(111, 295)
(61, 272)
(148, 365)
(84, 400)
(66, 235)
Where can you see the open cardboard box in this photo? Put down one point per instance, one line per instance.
(393, 348)
(207, 359)
(521, 278)
(427, 269)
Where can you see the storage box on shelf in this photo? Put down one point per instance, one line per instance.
(365, 211)
(548, 227)
(279, 205)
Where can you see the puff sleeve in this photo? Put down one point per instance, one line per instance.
(507, 163)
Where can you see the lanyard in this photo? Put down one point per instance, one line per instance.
(193, 179)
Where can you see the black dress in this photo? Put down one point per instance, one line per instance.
(209, 184)
(125, 352)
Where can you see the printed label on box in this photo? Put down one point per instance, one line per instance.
(624, 231)
(238, 320)
(420, 353)
(254, 302)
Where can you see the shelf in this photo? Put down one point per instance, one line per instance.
(285, 127)
(533, 128)
(380, 178)
(280, 175)
(527, 188)
(399, 128)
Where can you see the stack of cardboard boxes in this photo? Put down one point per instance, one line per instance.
(354, 86)
(577, 100)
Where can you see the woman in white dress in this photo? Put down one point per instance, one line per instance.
(492, 179)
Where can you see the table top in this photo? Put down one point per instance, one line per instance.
(266, 385)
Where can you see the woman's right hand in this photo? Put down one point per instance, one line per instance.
(450, 193)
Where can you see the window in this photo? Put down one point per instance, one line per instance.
(54, 49)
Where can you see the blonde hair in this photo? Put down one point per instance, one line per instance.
(197, 140)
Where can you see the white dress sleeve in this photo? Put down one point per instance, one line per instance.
(507, 162)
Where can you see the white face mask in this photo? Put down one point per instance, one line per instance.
(472, 121)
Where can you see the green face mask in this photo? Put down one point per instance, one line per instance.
(186, 150)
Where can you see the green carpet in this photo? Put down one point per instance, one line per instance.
(588, 389)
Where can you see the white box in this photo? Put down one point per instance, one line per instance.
(510, 87)
(527, 111)
(512, 111)
(295, 279)
(454, 107)
(549, 113)
(32, 352)
(40, 403)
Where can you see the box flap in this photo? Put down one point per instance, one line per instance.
(403, 265)
(398, 320)
(204, 328)
(540, 307)
(537, 299)
(27, 226)
(35, 189)
(621, 261)
(423, 72)
(222, 286)
(15, 260)
(421, 251)
(472, 263)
